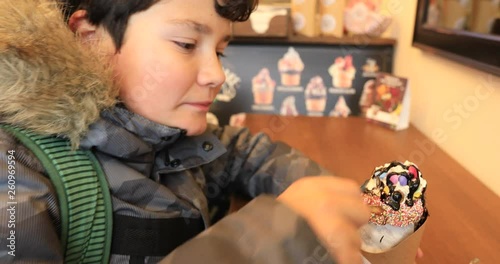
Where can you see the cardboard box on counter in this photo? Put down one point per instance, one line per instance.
(266, 21)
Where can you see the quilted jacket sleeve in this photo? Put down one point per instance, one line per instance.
(262, 232)
(255, 165)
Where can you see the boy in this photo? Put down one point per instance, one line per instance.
(162, 163)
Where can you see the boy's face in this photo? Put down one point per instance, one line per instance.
(168, 68)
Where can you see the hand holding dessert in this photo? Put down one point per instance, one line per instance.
(396, 194)
(334, 210)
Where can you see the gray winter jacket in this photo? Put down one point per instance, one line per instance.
(159, 179)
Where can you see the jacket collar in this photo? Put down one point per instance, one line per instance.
(128, 136)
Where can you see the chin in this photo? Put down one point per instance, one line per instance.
(197, 129)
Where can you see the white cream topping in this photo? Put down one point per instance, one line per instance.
(371, 185)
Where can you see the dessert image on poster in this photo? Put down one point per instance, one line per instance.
(315, 95)
(263, 87)
(370, 68)
(395, 193)
(367, 95)
(229, 88)
(343, 72)
(389, 92)
(288, 107)
(299, 63)
(290, 67)
(341, 109)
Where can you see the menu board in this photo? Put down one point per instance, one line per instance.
(311, 80)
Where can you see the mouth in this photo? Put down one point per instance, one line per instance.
(201, 106)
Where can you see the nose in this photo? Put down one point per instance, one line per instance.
(211, 74)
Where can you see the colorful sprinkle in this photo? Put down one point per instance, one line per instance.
(403, 217)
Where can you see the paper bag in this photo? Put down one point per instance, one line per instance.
(332, 17)
(304, 17)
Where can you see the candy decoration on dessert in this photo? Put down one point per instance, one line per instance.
(395, 181)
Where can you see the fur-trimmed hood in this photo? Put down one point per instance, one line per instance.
(49, 82)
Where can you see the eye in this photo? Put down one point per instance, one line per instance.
(220, 54)
(186, 46)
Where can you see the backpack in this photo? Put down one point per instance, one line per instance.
(83, 195)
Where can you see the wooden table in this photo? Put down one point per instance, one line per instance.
(464, 221)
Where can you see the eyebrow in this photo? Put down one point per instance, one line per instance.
(200, 28)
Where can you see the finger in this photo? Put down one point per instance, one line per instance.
(351, 256)
(420, 253)
(352, 209)
(342, 185)
(343, 242)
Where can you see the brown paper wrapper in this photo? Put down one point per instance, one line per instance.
(402, 253)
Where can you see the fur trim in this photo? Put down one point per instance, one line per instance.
(49, 82)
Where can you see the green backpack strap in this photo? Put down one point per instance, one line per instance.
(83, 194)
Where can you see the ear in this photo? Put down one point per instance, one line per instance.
(80, 25)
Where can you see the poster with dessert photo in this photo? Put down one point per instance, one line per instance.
(263, 90)
(367, 97)
(315, 96)
(343, 73)
(284, 79)
(288, 107)
(391, 102)
(371, 68)
(341, 109)
(229, 88)
(290, 67)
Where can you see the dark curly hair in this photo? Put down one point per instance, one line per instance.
(114, 14)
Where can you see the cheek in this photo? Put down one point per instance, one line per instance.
(151, 81)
